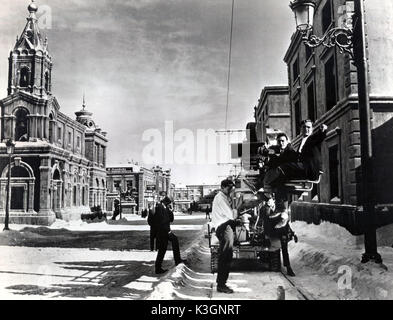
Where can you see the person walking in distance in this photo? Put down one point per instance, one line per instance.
(224, 223)
(208, 210)
(162, 219)
(117, 209)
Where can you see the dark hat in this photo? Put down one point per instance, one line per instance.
(166, 200)
(226, 183)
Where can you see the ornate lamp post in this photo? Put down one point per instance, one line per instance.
(350, 41)
(10, 150)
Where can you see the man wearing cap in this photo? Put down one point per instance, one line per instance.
(222, 220)
(162, 219)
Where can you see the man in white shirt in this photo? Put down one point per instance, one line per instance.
(224, 223)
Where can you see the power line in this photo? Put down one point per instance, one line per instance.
(229, 66)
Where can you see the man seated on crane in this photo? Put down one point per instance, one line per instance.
(307, 165)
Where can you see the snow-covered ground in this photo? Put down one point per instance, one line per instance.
(50, 273)
(79, 225)
(326, 261)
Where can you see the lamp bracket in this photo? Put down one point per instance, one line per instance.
(334, 37)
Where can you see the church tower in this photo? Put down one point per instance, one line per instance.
(30, 65)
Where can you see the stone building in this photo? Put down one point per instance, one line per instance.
(323, 88)
(59, 175)
(139, 186)
(272, 115)
(184, 196)
(181, 199)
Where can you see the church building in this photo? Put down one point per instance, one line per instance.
(60, 168)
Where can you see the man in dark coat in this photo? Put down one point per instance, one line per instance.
(116, 210)
(281, 153)
(162, 219)
(153, 229)
(275, 155)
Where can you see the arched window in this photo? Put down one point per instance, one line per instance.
(46, 81)
(21, 125)
(24, 77)
(74, 196)
(56, 175)
(83, 196)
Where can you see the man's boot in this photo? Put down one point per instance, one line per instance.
(290, 272)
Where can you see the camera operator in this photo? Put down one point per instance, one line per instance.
(223, 221)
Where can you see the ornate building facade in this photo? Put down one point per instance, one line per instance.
(62, 169)
(139, 187)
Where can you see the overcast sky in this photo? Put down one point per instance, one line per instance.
(144, 62)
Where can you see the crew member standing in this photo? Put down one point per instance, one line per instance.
(162, 219)
(224, 223)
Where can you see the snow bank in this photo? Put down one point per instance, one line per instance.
(337, 234)
(327, 231)
(327, 262)
(79, 225)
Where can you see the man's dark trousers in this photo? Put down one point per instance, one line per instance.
(163, 237)
(225, 254)
(153, 238)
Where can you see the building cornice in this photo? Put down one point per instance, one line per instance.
(27, 97)
(71, 122)
(268, 90)
(296, 40)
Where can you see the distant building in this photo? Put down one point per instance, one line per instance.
(323, 88)
(62, 169)
(139, 186)
(272, 115)
(184, 196)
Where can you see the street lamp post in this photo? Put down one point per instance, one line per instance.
(10, 150)
(352, 41)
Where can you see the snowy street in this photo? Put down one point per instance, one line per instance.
(113, 261)
(73, 260)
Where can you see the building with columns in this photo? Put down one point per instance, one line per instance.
(62, 170)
